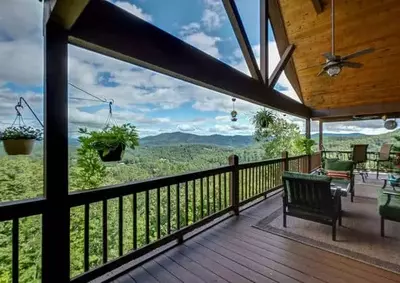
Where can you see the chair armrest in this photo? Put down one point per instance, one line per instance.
(391, 192)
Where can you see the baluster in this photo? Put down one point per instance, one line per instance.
(219, 192)
(201, 199)
(241, 187)
(147, 216)
(214, 194)
(158, 213)
(178, 208)
(194, 201)
(86, 238)
(120, 225)
(186, 204)
(15, 250)
(246, 183)
(225, 197)
(208, 195)
(105, 240)
(168, 209)
(134, 226)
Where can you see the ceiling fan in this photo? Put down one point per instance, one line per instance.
(334, 63)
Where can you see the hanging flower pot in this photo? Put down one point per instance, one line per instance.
(112, 154)
(396, 160)
(111, 142)
(20, 140)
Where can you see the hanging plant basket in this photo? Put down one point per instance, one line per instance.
(19, 147)
(112, 154)
(20, 140)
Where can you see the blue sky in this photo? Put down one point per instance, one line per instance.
(153, 102)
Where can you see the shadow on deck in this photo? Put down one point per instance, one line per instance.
(234, 251)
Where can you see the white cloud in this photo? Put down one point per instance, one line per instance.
(186, 128)
(190, 29)
(133, 9)
(213, 14)
(204, 42)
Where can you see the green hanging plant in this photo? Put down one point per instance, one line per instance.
(111, 142)
(263, 118)
(305, 145)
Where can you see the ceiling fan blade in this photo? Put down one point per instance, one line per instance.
(354, 65)
(329, 56)
(321, 72)
(358, 53)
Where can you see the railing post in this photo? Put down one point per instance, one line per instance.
(234, 183)
(55, 221)
(285, 155)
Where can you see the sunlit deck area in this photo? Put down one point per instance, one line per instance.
(235, 251)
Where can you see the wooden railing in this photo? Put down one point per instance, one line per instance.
(372, 156)
(167, 208)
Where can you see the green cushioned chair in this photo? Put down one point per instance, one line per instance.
(388, 206)
(341, 165)
(309, 196)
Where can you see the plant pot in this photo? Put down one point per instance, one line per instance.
(18, 147)
(114, 154)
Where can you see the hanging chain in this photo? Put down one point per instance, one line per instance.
(110, 119)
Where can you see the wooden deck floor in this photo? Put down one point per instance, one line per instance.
(233, 251)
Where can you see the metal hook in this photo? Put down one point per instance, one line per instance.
(18, 106)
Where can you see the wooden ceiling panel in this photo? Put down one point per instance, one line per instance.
(360, 24)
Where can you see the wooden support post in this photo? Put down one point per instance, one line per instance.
(55, 222)
(321, 135)
(234, 183)
(308, 136)
(264, 40)
(285, 155)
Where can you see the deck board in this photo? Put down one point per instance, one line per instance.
(233, 251)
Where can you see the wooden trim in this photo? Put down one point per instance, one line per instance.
(347, 113)
(308, 128)
(56, 217)
(241, 36)
(64, 12)
(21, 208)
(287, 55)
(111, 265)
(282, 42)
(317, 6)
(264, 40)
(159, 51)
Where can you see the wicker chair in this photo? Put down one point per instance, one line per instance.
(359, 158)
(383, 156)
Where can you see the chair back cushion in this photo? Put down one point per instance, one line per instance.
(338, 174)
(384, 153)
(359, 154)
(308, 192)
(339, 165)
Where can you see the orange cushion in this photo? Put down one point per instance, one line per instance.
(338, 174)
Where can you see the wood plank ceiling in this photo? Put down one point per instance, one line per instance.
(360, 24)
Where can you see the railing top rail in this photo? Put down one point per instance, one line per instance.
(297, 157)
(95, 195)
(21, 208)
(350, 151)
(260, 163)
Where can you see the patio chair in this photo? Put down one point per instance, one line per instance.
(359, 158)
(388, 206)
(309, 197)
(340, 169)
(383, 156)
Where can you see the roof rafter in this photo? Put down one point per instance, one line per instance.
(281, 65)
(264, 40)
(240, 33)
(109, 30)
(317, 6)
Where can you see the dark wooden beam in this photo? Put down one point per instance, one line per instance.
(308, 128)
(56, 225)
(281, 65)
(63, 12)
(347, 113)
(282, 42)
(264, 40)
(317, 6)
(321, 135)
(109, 30)
(238, 28)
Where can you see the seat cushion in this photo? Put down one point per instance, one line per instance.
(338, 174)
(339, 165)
(304, 176)
(391, 210)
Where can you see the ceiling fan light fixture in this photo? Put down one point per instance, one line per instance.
(333, 71)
